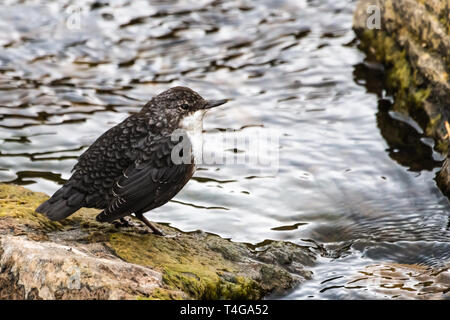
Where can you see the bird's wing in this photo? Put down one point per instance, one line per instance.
(152, 180)
(115, 144)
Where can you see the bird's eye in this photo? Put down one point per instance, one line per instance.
(185, 106)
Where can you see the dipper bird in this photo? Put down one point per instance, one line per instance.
(129, 169)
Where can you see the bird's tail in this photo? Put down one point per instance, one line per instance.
(62, 204)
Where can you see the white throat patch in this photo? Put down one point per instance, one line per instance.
(193, 125)
(193, 121)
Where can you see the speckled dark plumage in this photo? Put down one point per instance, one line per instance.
(129, 169)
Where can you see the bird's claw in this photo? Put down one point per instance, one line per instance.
(127, 222)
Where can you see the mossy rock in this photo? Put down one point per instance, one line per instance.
(187, 265)
(192, 265)
(405, 83)
(19, 203)
(413, 45)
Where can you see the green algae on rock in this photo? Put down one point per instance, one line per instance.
(401, 79)
(413, 42)
(79, 258)
(20, 204)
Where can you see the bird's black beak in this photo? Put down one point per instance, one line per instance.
(214, 103)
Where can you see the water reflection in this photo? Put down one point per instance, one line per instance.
(404, 136)
(406, 143)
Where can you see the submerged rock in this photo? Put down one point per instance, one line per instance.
(404, 281)
(411, 38)
(79, 258)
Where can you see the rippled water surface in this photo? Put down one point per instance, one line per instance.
(355, 180)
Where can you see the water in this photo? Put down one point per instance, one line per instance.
(354, 179)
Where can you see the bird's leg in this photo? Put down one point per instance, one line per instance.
(126, 222)
(155, 230)
(123, 223)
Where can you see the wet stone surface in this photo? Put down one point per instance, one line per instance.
(79, 258)
(353, 181)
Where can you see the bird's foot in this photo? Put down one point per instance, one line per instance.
(151, 225)
(155, 230)
(124, 222)
(127, 222)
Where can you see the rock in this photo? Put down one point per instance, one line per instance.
(443, 177)
(413, 43)
(403, 281)
(79, 258)
(47, 270)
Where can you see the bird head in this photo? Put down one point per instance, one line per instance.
(179, 104)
